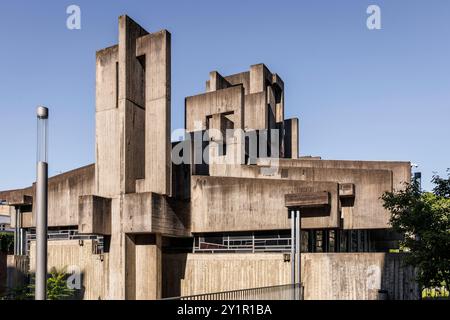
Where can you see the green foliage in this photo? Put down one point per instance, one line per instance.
(18, 293)
(442, 186)
(57, 288)
(435, 293)
(57, 285)
(6, 242)
(424, 220)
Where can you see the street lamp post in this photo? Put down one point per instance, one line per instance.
(296, 278)
(41, 203)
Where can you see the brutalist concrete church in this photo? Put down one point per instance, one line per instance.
(231, 206)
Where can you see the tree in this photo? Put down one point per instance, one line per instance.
(424, 220)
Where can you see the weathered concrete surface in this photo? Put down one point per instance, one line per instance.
(133, 166)
(4, 210)
(131, 106)
(17, 271)
(18, 196)
(189, 274)
(363, 211)
(144, 265)
(156, 49)
(64, 191)
(199, 107)
(401, 171)
(221, 204)
(63, 194)
(132, 195)
(94, 215)
(154, 213)
(292, 139)
(328, 276)
(107, 133)
(357, 276)
(203, 112)
(263, 104)
(68, 254)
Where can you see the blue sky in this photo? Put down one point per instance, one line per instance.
(359, 94)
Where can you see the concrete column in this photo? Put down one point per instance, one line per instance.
(143, 267)
(148, 267)
(291, 138)
(130, 267)
(16, 231)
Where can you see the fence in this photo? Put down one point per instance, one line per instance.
(283, 292)
(243, 243)
(68, 234)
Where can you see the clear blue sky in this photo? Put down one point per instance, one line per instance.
(359, 94)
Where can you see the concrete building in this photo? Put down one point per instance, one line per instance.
(5, 219)
(139, 225)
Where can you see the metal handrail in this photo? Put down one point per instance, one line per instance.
(250, 243)
(280, 292)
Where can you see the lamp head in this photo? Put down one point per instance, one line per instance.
(42, 112)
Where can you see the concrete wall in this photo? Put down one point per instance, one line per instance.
(365, 211)
(357, 276)
(401, 171)
(107, 133)
(17, 271)
(221, 204)
(199, 107)
(94, 271)
(63, 193)
(155, 48)
(133, 165)
(143, 262)
(353, 276)
(188, 274)
(154, 213)
(4, 210)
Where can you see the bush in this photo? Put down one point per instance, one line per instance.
(57, 288)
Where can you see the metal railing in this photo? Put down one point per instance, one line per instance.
(248, 243)
(68, 234)
(282, 292)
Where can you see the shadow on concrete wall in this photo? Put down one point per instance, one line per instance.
(398, 280)
(18, 278)
(174, 268)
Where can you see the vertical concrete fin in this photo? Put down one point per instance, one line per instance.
(217, 82)
(107, 135)
(291, 128)
(157, 50)
(131, 106)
